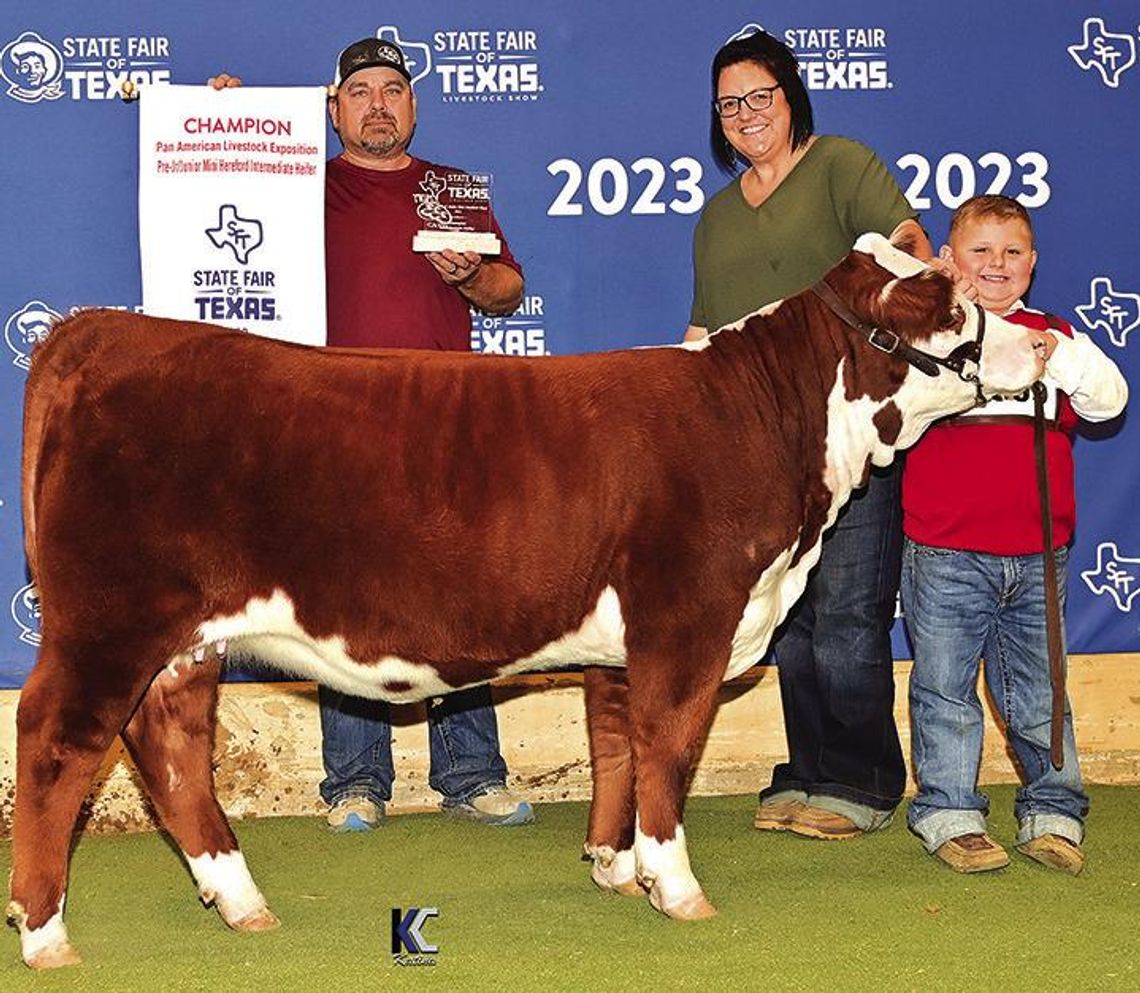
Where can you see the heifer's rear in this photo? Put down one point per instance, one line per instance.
(400, 524)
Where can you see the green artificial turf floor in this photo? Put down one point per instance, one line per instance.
(517, 912)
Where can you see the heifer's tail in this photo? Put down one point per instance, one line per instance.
(52, 363)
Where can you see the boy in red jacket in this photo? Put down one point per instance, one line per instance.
(973, 572)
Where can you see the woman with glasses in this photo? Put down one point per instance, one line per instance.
(793, 212)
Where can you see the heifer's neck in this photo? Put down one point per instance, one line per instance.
(830, 384)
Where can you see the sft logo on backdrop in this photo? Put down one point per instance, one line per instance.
(1113, 311)
(488, 65)
(26, 328)
(836, 58)
(520, 333)
(236, 294)
(1114, 575)
(1108, 53)
(82, 68)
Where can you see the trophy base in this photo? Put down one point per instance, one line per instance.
(483, 242)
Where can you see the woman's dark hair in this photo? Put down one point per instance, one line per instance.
(761, 48)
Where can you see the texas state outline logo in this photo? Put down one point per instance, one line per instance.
(417, 54)
(1115, 312)
(1108, 52)
(241, 235)
(1115, 575)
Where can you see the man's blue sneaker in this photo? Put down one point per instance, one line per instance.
(495, 807)
(355, 813)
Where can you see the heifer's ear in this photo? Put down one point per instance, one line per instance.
(915, 307)
(911, 237)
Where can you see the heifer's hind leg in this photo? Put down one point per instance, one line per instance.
(672, 700)
(69, 713)
(171, 739)
(609, 838)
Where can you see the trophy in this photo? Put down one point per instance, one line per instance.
(456, 210)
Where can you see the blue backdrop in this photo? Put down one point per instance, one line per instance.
(593, 118)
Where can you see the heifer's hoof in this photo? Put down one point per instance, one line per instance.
(54, 957)
(694, 907)
(615, 872)
(622, 887)
(260, 920)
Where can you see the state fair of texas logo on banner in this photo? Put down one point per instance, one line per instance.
(231, 207)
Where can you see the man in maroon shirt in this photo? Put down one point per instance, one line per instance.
(382, 294)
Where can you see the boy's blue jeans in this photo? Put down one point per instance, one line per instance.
(961, 606)
(356, 746)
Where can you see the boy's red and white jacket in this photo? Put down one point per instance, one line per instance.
(971, 481)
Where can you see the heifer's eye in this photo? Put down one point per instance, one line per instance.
(955, 319)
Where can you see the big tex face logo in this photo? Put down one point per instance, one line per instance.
(26, 328)
(32, 68)
(1108, 53)
(25, 611)
(488, 65)
(81, 67)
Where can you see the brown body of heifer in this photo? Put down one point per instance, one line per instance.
(399, 523)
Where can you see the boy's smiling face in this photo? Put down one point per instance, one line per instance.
(997, 256)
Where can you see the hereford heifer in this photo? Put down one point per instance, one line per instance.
(399, 524)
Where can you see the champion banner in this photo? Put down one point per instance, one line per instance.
(231, 207)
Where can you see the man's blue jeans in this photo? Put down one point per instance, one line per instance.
(356, 746)
(961, 607)
(836, 671)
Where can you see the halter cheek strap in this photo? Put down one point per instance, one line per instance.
(959, 361)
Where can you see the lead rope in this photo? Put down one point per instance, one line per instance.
(1052, 597)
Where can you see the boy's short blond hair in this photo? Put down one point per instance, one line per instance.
(991, 205)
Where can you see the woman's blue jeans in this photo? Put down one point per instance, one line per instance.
(836, 670)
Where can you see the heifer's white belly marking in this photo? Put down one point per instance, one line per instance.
(599, 640)
(268, 629)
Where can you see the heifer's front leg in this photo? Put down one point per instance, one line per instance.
(65, 723)
(672, 699)
(171, 739)
(609, 838)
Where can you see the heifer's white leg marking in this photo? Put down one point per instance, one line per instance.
(614, 871)
(224, 881)
(663, 869)
(44, 947)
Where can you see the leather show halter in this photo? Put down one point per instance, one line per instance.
(965, 361)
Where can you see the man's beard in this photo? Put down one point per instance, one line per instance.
(385, 141)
